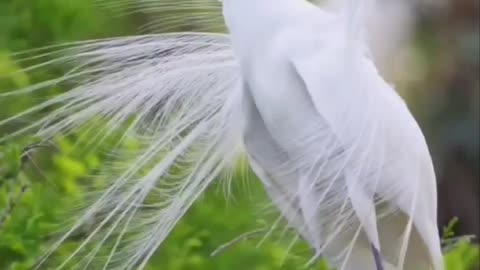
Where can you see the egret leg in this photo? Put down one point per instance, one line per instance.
(378, 258)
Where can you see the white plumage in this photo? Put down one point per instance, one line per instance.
(348, 153)
(336, 148)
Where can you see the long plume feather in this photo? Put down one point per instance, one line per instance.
(173, 93)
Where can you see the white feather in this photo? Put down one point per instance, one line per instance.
(348, 136)
(174, 94)
(337, 150)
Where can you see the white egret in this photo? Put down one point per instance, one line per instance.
(319, 113)
(294, 88)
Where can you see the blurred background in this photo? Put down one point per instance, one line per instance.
(430, 51)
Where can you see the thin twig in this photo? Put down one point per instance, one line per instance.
(26, 153)
(451, 243)
(12, 200)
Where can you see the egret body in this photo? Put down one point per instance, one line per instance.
(326, 135)
(293, 87)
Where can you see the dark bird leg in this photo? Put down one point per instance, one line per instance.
(378, 258)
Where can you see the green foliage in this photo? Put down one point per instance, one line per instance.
(41, 184)
(464, 256)
(58, 187)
